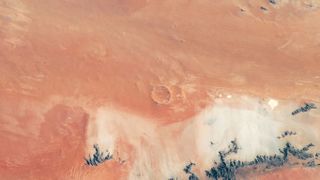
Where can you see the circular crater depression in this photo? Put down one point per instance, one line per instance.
(161, 94)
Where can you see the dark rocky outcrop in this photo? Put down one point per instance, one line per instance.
(226, 169)
(98, 157)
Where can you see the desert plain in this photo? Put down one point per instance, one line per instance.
(157, 84)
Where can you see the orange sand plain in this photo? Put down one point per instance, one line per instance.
(164, 61)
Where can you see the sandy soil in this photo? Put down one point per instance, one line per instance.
(153, 82)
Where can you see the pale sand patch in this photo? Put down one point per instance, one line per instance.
(163, 151)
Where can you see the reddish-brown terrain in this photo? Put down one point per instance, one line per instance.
(138, 77)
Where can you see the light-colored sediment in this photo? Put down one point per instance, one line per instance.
(160, 153)
(154, 82)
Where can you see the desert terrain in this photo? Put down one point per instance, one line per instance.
(159, 85)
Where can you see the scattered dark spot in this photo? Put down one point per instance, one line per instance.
(307, 107)
(273, 1)
(121, 161)
(188, 167)
(311, 163)
(233, 148)
(287, 133)
(226, 169)
(309, 5)
(98, 157)
(188, 170)
(263, 8)
(172, 178)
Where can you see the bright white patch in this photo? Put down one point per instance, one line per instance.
(229, 96)
(255, 130)
(101, 131)
(162, 151)
(273, 103)
(151, 148)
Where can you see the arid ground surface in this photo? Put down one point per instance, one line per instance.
(158, 84)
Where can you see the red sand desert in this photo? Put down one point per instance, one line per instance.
(159, 84)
